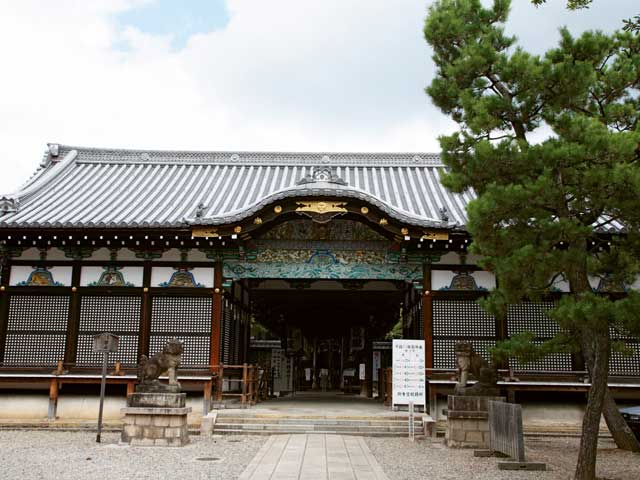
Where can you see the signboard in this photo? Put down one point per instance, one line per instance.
(376, 365)
(105, 342)
(408, 372)
(363, 372)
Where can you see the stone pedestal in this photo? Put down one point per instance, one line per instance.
(467, 421)
(155, 419)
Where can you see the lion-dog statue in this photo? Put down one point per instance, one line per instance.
(166, 361)
(469, 362)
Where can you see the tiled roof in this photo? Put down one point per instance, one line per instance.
(106, 188)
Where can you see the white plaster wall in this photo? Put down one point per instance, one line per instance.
(73, 407)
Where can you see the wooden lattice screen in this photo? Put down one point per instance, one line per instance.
(225, 350)
(460, 320)
(186, 318)
(119, 315)
(531, 317)
(36, 329)
(620, 364)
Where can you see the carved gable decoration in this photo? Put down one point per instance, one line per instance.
(323, 174)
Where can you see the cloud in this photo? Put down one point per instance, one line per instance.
(281, 75)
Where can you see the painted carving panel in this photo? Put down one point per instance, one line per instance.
(22, 276)
(182, 277)
(111, 276)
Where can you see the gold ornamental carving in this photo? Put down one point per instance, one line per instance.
(277, 209)
(321, 211)
(364, 210)
(204, 232)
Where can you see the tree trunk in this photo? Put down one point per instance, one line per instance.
(595, 346)
(622, 434)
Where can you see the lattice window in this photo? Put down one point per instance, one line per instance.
(186, 318)
(460, 320)
(36, 329)
(119, 315)
(531, 317)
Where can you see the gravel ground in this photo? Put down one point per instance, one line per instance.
(405, 460)
(26, 455)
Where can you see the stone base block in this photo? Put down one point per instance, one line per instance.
(160, 427)
(467, 421)
(161, 400)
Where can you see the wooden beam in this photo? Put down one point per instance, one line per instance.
(144, 337)
(427, 314)
(216, 317)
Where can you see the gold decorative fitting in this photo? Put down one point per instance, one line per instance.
(237, 229)
(322, 207)
(435, 235)
(216, 290)
(404, 231)
(277, 209)
(383, 221)
(74, 289)
(145, 290)
(427, 293)
(364, 210)
(2, 289)
(257, 221)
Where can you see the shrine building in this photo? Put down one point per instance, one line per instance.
(301, 263)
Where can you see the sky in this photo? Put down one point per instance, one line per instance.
(283, 75)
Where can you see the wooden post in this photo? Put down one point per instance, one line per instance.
(53, 399)
(130, 387)
(144, 339)
(244, 384)
(427, 314)
(216, 320)
(208, 385)
(220, 383)
(73, 325)
(4, 316)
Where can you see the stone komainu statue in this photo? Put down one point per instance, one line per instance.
(167, 361)
(469, 362)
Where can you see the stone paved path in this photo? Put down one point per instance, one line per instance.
(314, 457)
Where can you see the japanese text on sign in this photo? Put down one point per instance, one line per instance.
(408, 372)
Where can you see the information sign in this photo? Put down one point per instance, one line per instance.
(408, 372)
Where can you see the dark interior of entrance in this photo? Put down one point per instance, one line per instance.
(333, 334)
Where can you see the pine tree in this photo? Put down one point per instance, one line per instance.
(551, 146)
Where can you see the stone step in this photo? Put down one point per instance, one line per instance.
(309, 421)
(326, 432)
(307, 427)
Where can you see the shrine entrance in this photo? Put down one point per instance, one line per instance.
(330, 336)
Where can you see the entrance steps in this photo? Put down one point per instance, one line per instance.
(257, 424)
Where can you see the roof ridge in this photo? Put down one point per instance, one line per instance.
(239, 152)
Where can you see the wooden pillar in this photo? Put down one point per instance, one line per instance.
(4, 307)
(144, 337)
(73, 324)
(427, 314)
(216, 318)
